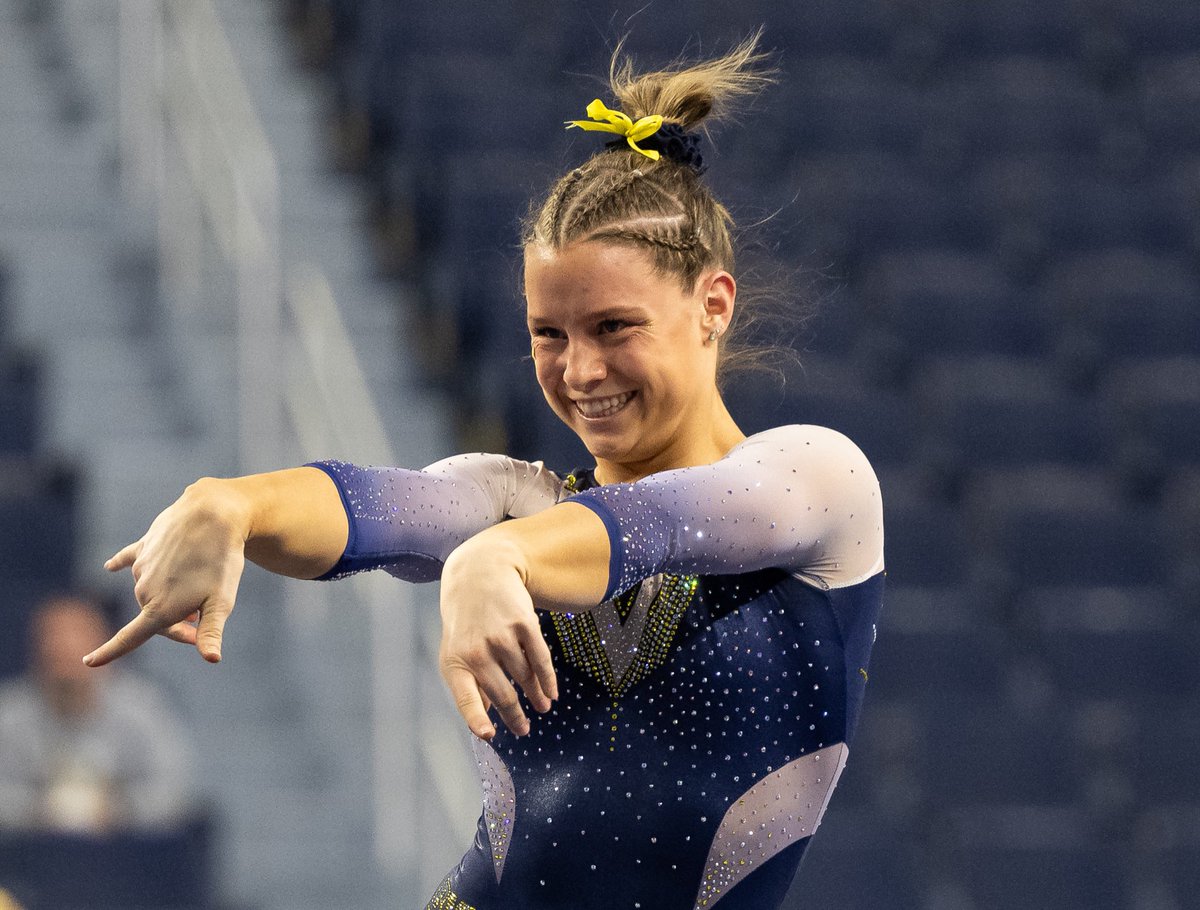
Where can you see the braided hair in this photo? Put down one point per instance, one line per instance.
(661, 206)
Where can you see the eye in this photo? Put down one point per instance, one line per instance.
(545, 331)
(608, 326)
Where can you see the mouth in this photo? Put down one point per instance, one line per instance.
(597, 408)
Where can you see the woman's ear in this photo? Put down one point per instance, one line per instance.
(718, 293)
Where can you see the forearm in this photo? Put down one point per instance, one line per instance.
(292, 521)
(560, 554)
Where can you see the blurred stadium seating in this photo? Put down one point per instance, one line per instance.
(1001, 203)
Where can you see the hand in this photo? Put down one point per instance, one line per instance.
(186, 571)
(491, 637)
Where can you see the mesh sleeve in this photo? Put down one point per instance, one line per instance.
(407, 522)
(799, 498)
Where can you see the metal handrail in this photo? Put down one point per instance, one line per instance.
(184, 99)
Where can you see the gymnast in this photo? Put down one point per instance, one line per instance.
(662, 657)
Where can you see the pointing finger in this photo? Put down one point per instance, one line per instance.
(135, 633)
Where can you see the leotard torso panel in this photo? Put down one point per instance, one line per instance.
(705, 708)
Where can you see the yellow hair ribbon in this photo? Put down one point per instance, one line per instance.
(608, 121)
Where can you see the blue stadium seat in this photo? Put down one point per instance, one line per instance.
(18, 597)
(1021, 27)
(1007, 410)
(1169, 91)
(476, 220)
(855, 204)
(1021, 105)
(926, 541)
(1134, 303)
(978, 752)
(852, 861)
(845, 104)
(1167, 740)
(827, 392)
(826, 27)
(943, 301)
(1096, 213)
(1054, 525)
(969, 662)
(535, 433)
(1157, 27)
(1157, 400)
(37, 521)
(1175, 194)
(835, 323)
(1039, 875)
(1132, 664)
(1073, 209)
(159, 870)
(20, 403)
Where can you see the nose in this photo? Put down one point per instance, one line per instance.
(585, 367)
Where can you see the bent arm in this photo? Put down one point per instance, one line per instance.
(803, 499)
(560, 555)
(799, 498)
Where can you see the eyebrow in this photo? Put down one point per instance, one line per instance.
(631, 313)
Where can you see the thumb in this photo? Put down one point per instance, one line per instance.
(124, 557)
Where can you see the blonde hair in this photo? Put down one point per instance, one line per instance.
(662, 206)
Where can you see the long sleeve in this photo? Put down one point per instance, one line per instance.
(407, 522)
(799, 498)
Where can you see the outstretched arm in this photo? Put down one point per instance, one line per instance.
(188, 565)
(318, 521)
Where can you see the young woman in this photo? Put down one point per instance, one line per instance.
(692, 618)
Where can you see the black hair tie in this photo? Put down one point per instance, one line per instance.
(671, 141)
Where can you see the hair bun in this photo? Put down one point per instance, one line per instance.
(674, 142)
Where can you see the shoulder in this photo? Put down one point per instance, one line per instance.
(826, 486)
(800, 434)
(807, 446)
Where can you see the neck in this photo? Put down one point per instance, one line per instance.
(712, 443)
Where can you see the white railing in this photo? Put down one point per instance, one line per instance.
(196, 160)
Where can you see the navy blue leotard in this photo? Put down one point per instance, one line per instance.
(705, 707)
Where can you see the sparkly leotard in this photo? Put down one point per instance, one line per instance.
(705, 708)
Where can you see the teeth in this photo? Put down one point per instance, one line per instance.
(603, 407)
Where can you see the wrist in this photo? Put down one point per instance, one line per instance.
(227, 501)
(491, 550)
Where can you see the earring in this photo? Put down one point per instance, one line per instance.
(713, 336)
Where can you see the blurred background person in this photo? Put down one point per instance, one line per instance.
(87, 752)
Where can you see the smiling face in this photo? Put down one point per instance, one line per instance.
(623, 357)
